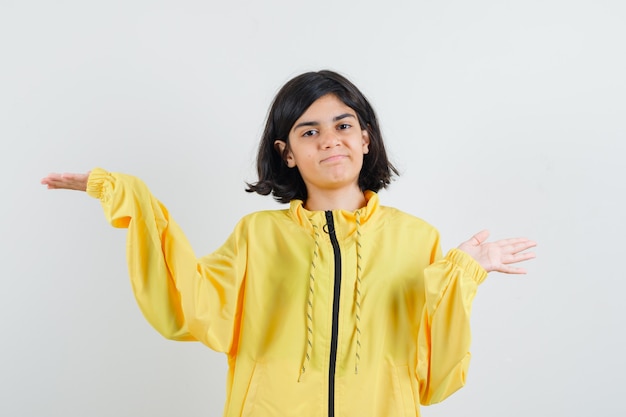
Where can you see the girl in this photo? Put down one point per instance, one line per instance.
(335, 306)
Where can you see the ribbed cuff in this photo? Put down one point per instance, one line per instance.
(468, 264)
(95, 182)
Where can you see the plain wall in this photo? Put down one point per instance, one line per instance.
(507, 115)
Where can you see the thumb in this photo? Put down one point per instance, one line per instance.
(479, 237)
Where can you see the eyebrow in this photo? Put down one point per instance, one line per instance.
(314, 123)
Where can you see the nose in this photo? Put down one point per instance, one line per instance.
(329, 138)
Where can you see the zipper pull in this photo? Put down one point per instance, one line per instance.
(329, 227)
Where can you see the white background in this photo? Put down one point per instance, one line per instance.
(507, 115)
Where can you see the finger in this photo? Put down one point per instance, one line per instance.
(515, 241)
(511, 270)
(508, 269)
(55, 178)
(50, 177)
(519, 246)
(479, 237)
(70, 181)
(55, 181)
(56, 185)
(68, 176)
(51, 183)
(518, 257)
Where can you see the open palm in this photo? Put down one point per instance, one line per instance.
(500, 255)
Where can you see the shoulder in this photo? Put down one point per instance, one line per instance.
(264, 215)
(263, 219)
(258, 227)
(393, 216)
(402, 223)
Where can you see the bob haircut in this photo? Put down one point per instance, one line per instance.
(293, 99)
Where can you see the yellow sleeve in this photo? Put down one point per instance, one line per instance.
(181, 297)
(444, 336)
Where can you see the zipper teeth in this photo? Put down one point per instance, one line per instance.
(335, 324)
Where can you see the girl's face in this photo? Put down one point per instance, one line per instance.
(327, 145)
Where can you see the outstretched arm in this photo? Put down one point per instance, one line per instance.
(501, 255)
(450, 286)
(183, 298)
(127, 203)
(66, 181)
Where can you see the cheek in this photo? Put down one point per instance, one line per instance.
(360, 161)
(306, 154)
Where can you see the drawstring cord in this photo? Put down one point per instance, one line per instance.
(357, 295)
(309, 307)
(357, 302)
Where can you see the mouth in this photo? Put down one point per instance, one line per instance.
(333, 158)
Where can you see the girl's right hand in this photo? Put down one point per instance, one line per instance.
(66, 181)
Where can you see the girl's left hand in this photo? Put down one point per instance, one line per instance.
(499, 255)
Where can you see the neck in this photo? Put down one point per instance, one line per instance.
(340, 199)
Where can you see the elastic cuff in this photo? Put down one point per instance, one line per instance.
(468, 264)
(95, 182)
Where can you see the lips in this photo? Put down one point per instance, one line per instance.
(333, 158)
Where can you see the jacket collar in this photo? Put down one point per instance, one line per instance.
(345, 221)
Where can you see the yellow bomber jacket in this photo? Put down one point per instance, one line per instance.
(332, 314)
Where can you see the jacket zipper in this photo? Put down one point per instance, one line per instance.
(330, 225)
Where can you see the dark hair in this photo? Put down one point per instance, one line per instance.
(293, 99)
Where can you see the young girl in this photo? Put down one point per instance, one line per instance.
(335, 306)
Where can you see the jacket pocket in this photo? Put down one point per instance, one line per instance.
(403, 388)
(251, 393)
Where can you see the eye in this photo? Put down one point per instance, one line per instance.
(309, 133)
(344, 126)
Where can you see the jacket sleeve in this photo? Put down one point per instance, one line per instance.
(444, 335)
(182, 297)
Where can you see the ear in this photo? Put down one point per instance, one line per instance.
(365, 141)
(284, 152)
